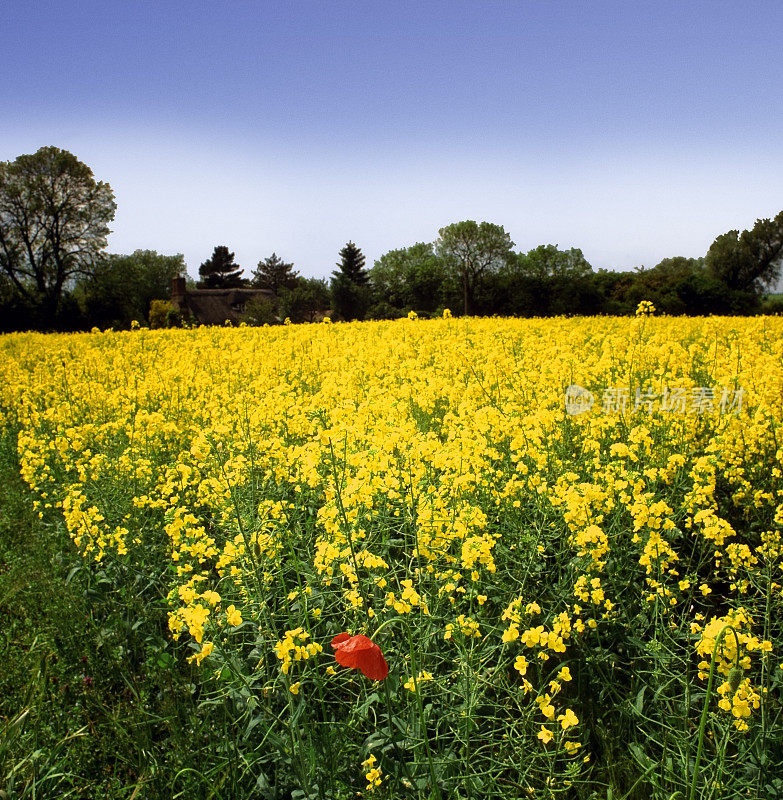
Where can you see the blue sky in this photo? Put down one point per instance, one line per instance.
(632, 130)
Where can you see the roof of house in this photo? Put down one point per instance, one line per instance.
(215, 306)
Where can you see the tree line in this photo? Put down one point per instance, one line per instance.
(55, 273)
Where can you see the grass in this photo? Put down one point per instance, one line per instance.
(91, 704)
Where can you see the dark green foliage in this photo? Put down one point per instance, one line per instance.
(220, 271)
(773, 304)
(543, 282)
(410, 278)
(471, 251)
(261, 310)
(751, 260)
(305, 300)
(351, 265)
(54, 221)
(350, 301)
(274, 274)
(351, 292)
(383, 310)
(547, 260)
(123, 287)
(302, 300)
(680, 286)
(18, 313)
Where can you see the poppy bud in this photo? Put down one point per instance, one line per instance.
(735, 678)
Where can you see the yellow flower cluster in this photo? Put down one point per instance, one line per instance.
(373, 776)
(295, 647)
(422, 677)
(733, 656)
(645, 309)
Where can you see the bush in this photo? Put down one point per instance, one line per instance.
(160, 313)
(772, 305)
(262, 310)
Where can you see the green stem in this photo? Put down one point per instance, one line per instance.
(249, 545)
(718, 641)
(420, 705)
(422, 722)
(392, 737)
(347, 527)
(468, 693)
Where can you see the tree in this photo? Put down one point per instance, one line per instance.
(351, 294)
(678, 267)
(471, 250)
(305, 301)
(274, 274)
(220, 271)
(547, 261)
(411, 277)
(123, 286)
(261, 310)
(54, 220)
(351, 265)
(751, 260)
(545, 281)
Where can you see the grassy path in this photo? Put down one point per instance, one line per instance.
(79, 716)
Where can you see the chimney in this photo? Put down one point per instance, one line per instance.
(177, 288)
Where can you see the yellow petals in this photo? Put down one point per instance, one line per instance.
(521, 665)
(295, 481)
(233, 616)
(545, 735)
(206, 649)
(564, 674)
(568, 720)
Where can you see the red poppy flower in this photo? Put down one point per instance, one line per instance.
(359, 652)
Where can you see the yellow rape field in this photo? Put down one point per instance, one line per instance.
(556, 594)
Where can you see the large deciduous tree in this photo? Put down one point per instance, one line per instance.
(410, 277)
(471, 250)
(220, 271)
(54, 220)
(547, 261)
(751, 260)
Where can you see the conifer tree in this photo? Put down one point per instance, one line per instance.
(274, 274)
(351, 293)
(351, 265)
(220, 271)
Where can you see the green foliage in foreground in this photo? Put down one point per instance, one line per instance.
(94, 702)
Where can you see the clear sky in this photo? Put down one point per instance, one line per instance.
(632, 130)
